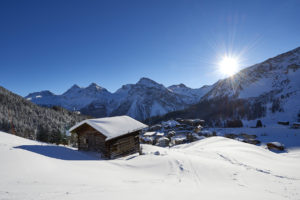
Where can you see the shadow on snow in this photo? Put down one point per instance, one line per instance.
(59, 152)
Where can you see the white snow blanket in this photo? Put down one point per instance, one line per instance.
(212, 168)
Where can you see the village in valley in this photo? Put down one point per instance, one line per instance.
(114, 137)
(173, 132)
(181, 131)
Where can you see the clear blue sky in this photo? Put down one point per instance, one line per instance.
(54, 44)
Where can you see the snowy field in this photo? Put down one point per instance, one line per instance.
(285, 135)
(212, 168)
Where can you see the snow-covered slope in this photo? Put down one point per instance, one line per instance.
(213, 168)
(278, 73)
(275, 83)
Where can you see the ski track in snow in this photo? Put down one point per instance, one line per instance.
(248, 167)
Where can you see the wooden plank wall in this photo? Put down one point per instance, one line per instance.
(90, 139)
(124, 145)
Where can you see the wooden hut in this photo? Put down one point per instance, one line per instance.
(111, 136)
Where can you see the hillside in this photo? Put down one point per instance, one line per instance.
(269, 91)
(32, 121)
(210, 169)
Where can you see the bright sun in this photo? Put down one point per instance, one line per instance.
(228, 66)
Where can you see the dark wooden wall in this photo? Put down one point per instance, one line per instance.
(124, 145)
(90, 139)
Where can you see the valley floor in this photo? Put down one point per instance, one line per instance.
(212, 168)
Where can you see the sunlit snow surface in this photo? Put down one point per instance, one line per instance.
(213, 168)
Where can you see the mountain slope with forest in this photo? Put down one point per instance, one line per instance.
(26, 119)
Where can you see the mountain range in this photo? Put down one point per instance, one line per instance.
(270, 89)
(142, 100)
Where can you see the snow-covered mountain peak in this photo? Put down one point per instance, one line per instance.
(205, 86)
(179, 86)
(148, 83)
(180, 89)
(41, 94)
(95, 86)
(75, 86)
(46, 93)
(194, 95)
(74, 89)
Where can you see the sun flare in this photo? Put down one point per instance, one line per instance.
(229, 66)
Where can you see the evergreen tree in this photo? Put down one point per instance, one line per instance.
(56, 137)
(258, 124)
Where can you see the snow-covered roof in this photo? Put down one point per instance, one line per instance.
(150, 133)
(113, 127)
(162, 139)
(160, 133)
(148, 139)
(277, 144)
(170, 123)
(178, 138)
